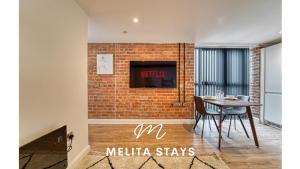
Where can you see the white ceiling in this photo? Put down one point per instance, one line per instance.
(204, 22)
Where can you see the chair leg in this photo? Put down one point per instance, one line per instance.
(203, 118)
(229, 126)
(209, 122)
(215, 123)
(195, 112)
(234, 122)
(243, 126)
(197, 120)
(223, 118)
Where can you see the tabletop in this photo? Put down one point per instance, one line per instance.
(230, 103)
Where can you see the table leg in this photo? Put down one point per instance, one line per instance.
(250, 117)
(220, 126)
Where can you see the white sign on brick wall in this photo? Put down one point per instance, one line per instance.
(105, 64)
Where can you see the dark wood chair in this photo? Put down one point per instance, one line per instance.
(201, 111)
(238, 112)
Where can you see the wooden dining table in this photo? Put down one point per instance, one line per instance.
(221, 103)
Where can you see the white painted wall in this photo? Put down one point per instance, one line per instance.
(53, 70)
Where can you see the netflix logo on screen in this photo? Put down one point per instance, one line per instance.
(153, 74)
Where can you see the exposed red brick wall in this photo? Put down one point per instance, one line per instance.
(109, 96)
(255, 70)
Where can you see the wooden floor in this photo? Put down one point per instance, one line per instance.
(237, 151)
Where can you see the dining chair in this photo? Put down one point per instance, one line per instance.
(201, 111)
(236, 112)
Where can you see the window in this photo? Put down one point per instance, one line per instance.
(225, 69)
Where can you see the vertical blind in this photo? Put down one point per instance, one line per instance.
(225, 69)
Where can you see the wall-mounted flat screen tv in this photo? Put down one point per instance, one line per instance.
(153, 74)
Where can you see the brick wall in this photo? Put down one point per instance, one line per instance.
(255, 70)
(109, 96)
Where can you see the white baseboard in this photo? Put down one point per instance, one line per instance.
(75, 162)
(141, 121)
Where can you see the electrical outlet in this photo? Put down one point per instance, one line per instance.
(70, 135)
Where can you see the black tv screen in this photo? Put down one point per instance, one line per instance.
(153, 74)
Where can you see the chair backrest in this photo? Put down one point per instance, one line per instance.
(199, 105)
(243, 97)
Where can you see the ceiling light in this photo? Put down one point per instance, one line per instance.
(135, 20)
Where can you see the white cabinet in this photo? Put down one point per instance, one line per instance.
(273, 69)
(272, 80)
(273, 108)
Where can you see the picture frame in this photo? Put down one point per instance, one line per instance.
(105, 64)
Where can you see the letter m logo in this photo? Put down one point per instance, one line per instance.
(140, 129)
